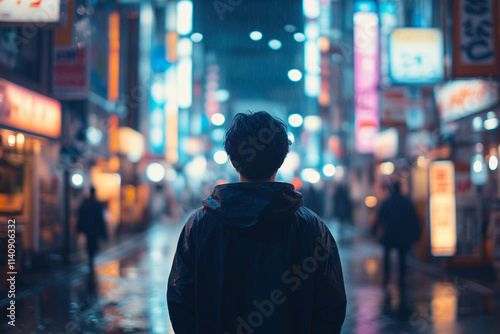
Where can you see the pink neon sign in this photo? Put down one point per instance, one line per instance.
(366, 70)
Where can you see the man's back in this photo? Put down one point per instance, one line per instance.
(254, 260)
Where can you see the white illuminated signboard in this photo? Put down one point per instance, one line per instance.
(443, 216)
(416, 56)
(30, 11)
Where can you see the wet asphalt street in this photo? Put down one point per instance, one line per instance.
(127, 294)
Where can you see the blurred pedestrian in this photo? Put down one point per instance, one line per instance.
(342, 206)
(313, 197)
(254, 259)
(91, 223)
(398, 228)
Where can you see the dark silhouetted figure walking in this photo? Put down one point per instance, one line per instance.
(398, 227)
(342, 206)
(254, 259)
(91, 223)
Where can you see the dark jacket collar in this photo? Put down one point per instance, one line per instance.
(253, 206)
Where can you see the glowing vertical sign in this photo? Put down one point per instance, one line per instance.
(443, 208)
(114, 57)
(171, 41)
(185, 82)
(114, 123)
(212, 106)
(172, 115)
(312, 60)
(157, 114)
(388, 21)
(184, 17)
(366, 75)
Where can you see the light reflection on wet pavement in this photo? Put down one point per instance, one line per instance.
(127, 295)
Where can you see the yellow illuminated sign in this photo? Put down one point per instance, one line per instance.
(443, 208)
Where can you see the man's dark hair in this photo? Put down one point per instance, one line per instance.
(257, 144)
(92, 192)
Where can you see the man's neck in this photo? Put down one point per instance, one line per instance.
(244, 179)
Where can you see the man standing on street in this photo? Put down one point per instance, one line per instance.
(254, 259)
(91, 223)
(398, 227)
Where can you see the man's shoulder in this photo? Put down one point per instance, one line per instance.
(310, 225)
(196, 218)
(309, 218)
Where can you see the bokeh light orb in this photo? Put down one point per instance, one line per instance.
(196, 37)
(329, 170)
(493, 162)
(274, 44)
(217, 119)
(371, 201)
(77, 180)
(310, 175)
(220, 157)
(155, 172)
(256, 35)
(295, 120)
(294, 75)
(299, 37)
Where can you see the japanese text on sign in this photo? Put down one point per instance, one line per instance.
(476, 42)
(30, 10)
(443, 208)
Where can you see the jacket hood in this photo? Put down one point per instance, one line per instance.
(253, 207)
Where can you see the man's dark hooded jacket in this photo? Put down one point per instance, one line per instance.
(254, 260)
